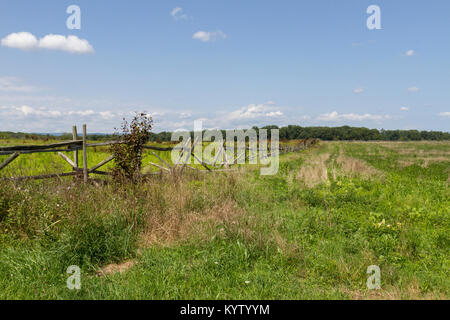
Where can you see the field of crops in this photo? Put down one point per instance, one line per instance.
(309, 232)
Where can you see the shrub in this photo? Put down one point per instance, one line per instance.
(128, 154)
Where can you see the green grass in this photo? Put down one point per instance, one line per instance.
(48, 163)
(240, 235)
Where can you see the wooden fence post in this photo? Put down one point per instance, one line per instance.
(75, 153)
(85, 165)
(9, 160)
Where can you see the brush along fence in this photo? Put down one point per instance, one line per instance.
(222, 160)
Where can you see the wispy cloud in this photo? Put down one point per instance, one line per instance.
(206, 36)
(274, 114)
(410, 53)
(244, 117)
(253, 111)
(413, 89)
(27, 41)
(444, 114)
(42, 117)
(12, 84)
(404, 108)
(358, 90)
(335, 116)
(178, 14)
(44, 112)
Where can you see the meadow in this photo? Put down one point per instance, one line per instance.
(309, 232)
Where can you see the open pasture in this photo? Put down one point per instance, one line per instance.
(309, 232)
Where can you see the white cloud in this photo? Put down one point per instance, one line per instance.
(71, 44)
(413, 89)
(335, 116)
(409, 53)
(175, 11)
(20, 40)
(206, 36)
(241, 118)
(177, 14)
(107, 115)
(30, 111)
(404, 109)
(25, 118)
(274, 114)
(81, 113)
(253, 111)
(444, 114)
(44, 112)
(185, 115)
(358, 90)
(12, 84)
(27, 41)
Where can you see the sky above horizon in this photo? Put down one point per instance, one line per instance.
(232, 64)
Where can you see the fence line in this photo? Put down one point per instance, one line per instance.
(76, 145)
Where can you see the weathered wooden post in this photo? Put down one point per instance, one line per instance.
(85, 165)
(75, 153)
(9, 160)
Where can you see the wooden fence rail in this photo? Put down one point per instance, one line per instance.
(77, 145)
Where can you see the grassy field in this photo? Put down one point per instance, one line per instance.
(309, 232)
(45, 163)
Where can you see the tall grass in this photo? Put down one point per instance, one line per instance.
(298, 234)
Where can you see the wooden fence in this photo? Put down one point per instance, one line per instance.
(75, 145)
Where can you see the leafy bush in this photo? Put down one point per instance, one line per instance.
(128, 154)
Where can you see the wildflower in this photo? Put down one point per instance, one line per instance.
(382, 223)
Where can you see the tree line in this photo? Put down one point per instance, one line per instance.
(294, 132)
(291, 132)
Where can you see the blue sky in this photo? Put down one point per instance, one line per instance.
(231, 63)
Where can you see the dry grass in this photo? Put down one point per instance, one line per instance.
(422, 161)
(318, 166)
(405, 163)
(411, 292)
(430, 160)
(186, 207)
(177, 226)
(314, 171)
(352, 167)
(115, 267)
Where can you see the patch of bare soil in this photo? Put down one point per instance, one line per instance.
(114, 268)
